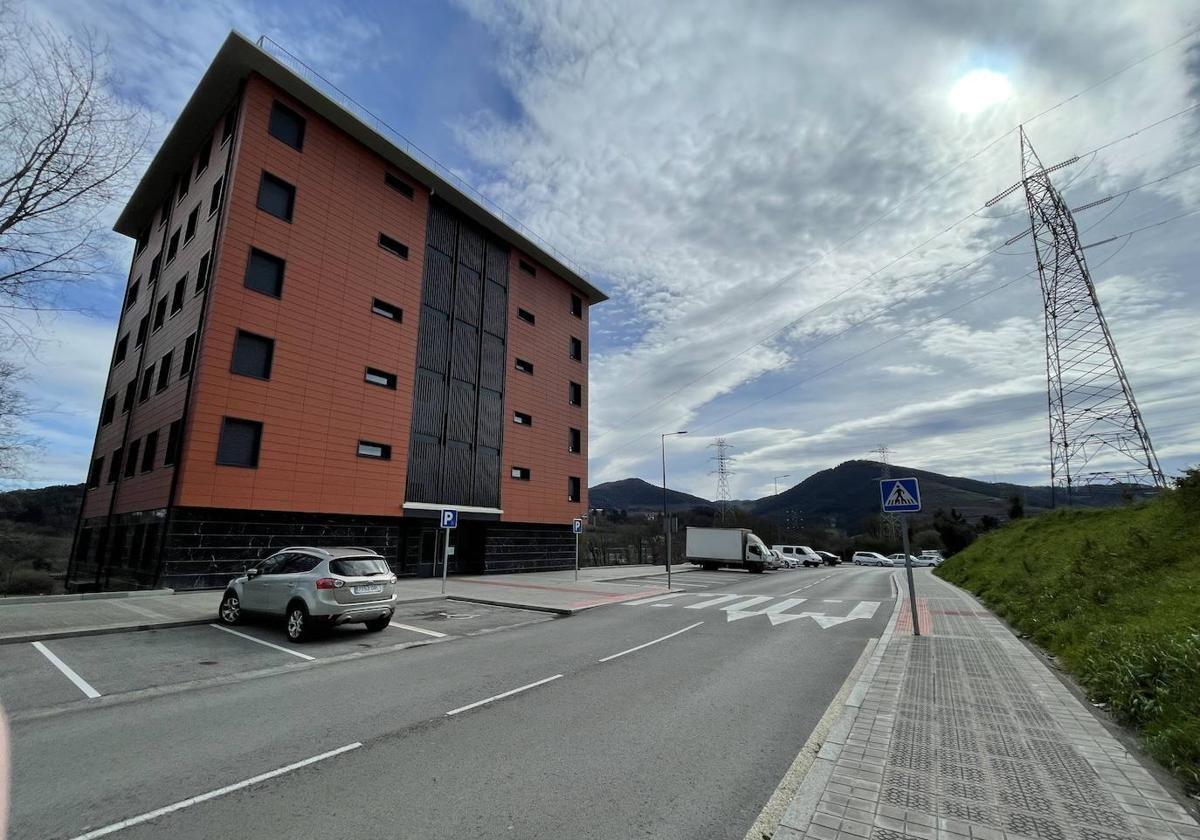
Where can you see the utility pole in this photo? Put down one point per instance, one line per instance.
(1097, 434)
(722, 472)
(666, 518)
(776, 480)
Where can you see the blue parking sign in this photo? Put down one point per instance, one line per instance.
(449, 518)
(577, 526)
(900, 495)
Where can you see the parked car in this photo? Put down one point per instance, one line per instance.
(830, 558)
(802, 554)
(898, 560)
(934, 555)
(870, 558)
(312, 587)
(783, 562)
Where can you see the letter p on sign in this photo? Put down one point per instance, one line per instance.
(449, 518)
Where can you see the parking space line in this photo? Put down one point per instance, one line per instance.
(142, 611)
(295, 653)
(433, 633)
(212, 794)
(79, 681)
(510, 693)
(652, 642)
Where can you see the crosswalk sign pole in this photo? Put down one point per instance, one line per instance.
(912, 589)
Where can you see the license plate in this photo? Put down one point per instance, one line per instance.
(367, 589)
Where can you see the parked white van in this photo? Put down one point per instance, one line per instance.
(801, 553)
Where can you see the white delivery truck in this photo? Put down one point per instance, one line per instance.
(712, 548)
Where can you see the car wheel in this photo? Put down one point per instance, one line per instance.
(377, 624)
(297, 622)
(230, 611)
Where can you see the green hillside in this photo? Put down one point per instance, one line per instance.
(1115, 595)
(36, 527)
(634, 494)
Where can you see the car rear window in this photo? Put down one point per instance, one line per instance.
(358, 566)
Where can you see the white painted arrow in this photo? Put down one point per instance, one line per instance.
(736, 611)
(864, 609)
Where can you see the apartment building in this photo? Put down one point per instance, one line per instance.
(325, 339)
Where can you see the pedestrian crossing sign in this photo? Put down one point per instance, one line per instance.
(900, 495)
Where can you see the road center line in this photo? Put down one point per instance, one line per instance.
(433, 633)
(653, 642)
(295, 653)
(79, 681)
(509, 693)
(810, 586)
(213, 794)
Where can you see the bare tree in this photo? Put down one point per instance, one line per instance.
(13, 408)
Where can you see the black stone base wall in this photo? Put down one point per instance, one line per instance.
(515, 547)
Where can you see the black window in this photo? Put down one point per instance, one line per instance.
(132, 295)
(202, 274)
(131, 459)
(130, 396)
(388, 244)
(122, 349)
(143, 240)
(240, 442)
(276, 197)
(214, 197)
(577, 306)
(202, 157)
(575, 394)
(155, 267)
(164, 372)
(147, 381)
(160, 312)
(369, 449)
(398, 184)
(286, 125)
(524, 366)
(174, 439)
(109, 409)
(164, 212)
(526, 267)
(522, 419)
(573, 489)
(183, 183)
(298, 564)
(173, 245)
(359, 567)
(143, 329)
(95, 471)
(526, 315)
(190, 229)
(379, 377)
(252, 355)
(387, 310)
(177, 294)
(576, 349)
(520, 473)
(189, 356)
(574, 440)
(150, 451)
(264, 273)
(230, 123)
(114, 465)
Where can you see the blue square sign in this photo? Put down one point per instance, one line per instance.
(577, 526)
(449, 518)
(900, 495)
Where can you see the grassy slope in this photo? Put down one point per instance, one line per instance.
(1115, 594)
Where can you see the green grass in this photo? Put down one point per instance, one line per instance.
(1115, 595)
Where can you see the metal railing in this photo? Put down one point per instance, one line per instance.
(343, 100)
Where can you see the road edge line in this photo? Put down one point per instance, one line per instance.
(795, 798)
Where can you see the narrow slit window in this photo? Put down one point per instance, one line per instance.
(189, 356)
(577, 306)
(398, 184)
(575, 394)
(177, 294)
(97, 469)
(214, 197)
(202, 157)
(574, 441)
(149, 451)
(130, 396)
(573, 489)
(189, 230)
(160, 312)
(395, 246)
(114, 465)
(109, 410)
(131, 460)
(370, 449)
(202, 273)
(524, 366)
(526, 316)
(122, 350)
(173, 245)
(143, 330)
(526, 267)
(147, 384)
(576, 349)
(387, 310)
(522, 419)
(132, 296)
(174, 443)
(164, 373)
(520, 473)
(380, 378)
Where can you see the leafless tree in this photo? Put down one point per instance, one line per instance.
(13, 408)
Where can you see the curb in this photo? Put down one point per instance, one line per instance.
(511, 605)
(803, 806)
(50, 635)
(84, 596)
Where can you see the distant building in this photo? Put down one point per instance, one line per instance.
(325, 339)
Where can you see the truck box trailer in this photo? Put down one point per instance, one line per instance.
(714, 548)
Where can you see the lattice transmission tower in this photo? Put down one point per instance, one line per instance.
(722, 472)
(1097, 435)
(890, 522)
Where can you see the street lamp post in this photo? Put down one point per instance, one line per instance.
(666, 521)
(785, 475)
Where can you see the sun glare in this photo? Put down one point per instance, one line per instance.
(979, 90)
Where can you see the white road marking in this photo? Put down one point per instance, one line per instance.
(652, 642)
(746, 603)
(80, 683)
(433, 633)
(213, 794)
(810, 586)
(712, 600)
(295, 653)
(732, 614)
(502, 696)
(831, 600)
(677, 584)
(142, 611)
(653, 599)
(864, 609)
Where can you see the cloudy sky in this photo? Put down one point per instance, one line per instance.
(785, 201)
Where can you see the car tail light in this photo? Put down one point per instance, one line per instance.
(330, 583)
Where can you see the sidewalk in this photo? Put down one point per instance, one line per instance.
(556, 592)
(964, 733)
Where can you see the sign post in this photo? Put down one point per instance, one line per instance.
(903, 496)
(449, 522)
(577, 527)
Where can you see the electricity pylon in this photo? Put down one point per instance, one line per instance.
(723, 471)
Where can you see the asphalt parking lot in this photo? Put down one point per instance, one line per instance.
(44, 675)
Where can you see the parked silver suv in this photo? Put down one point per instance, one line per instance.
(314, 586)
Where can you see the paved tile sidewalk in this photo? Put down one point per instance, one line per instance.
(963, 733)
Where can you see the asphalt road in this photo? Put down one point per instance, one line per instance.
(683, 738)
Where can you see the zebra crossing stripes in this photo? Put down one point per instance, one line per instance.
(777, 610)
